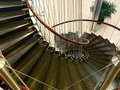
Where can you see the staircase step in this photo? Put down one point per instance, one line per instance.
(51, 76)
(95, 71)
(92, 65)
(12, 8)
(13, 18)
(85, 35)
(13, 47)
(94, 41)
(84, 70)
(10, 2)
(39, 71)
(101, 71)
(13, 25)
(64, 79)
(105, 52)
(10, 40)
(100, 44)
(98, 63)
(82, 74)
(106, 57)
(12, 13)
(99, 60)
(20, 50)
(91, 69)
(105, 47)
(91, 37)
(74, 75)
(9, 31)
(28, 60)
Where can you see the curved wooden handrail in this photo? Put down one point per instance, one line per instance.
(84, 42)
(86, 20)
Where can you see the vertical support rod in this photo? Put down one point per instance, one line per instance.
(6, 75)
(81, 17)
(79, 32)
(111, 76)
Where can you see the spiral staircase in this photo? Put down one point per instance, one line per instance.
(43, 67)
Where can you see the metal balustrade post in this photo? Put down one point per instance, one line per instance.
(6, 75)
(103, 77)
(115, 70)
